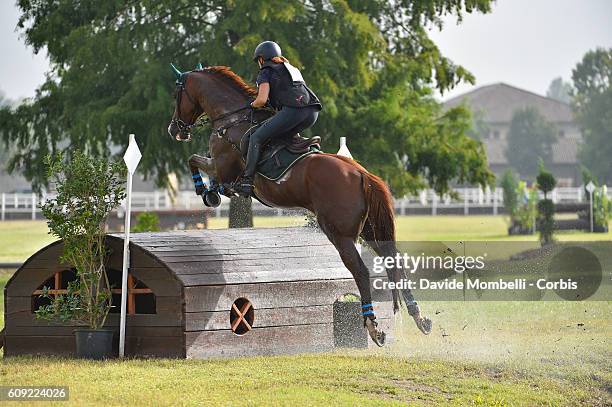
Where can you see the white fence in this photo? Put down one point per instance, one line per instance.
(468, 200)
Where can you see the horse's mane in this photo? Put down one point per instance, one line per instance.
(226, 73)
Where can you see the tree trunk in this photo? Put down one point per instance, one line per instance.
(240, 213)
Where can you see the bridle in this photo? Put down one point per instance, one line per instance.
(185, 128)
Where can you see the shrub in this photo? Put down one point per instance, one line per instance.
(545, 180)
(546, 208)
(509, 185)
(87, 191)
(525, 212)
(602, 208)
(146, 222)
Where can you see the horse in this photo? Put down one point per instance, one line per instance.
(348, 201)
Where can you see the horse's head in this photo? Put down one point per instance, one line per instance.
(187, 109)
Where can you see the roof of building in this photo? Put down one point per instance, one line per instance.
(499, 101)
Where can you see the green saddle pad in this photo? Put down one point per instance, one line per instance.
(276, 162)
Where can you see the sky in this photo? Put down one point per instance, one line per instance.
(524, 43)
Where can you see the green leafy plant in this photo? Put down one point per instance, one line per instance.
(546, 208)
(87, 191)
(509, 185)
(602, 208)
(146, 222)
(525, 213)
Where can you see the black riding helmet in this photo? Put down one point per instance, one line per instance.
(267, 50)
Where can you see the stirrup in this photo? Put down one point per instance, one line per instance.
(243, 187)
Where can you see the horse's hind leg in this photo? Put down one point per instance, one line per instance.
(389, 249)
(393, 274)
(351, 259)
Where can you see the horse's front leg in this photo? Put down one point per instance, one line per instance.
(197, 163)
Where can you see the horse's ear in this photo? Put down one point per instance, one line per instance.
(175, 71)
(199, 66)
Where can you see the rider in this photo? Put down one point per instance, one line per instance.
(297, 106)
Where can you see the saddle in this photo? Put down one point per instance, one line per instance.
(279, 155)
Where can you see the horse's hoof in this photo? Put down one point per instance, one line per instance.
(377, 335)
(424, 324)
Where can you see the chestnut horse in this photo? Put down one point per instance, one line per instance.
(347, 200)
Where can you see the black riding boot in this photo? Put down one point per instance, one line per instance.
(245, 185)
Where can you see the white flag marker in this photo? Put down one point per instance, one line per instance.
(590, 189)
(131, 158)
(344, 151)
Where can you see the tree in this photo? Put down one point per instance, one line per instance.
(530, 139)
(480, 128)
(560, 90)
(592, 106)
(371, 62)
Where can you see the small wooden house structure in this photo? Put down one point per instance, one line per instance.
(201, 294)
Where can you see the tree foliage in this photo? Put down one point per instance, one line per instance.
(560, 90)
(530, 139)
(592, 106)
(371, 62)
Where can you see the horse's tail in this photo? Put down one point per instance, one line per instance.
(379, 227)
(380, 223)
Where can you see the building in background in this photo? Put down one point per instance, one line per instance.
(495, 105)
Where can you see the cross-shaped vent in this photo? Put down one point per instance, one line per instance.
(242, 315)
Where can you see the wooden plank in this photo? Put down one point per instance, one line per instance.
(260, 257)
(154, 346)
(26, 318)
(168, 249)
(265, 276)
(39, 345)
(260, 341)
(162, 303)
(272, 295)
(172, 347)
(64, 330)
(28, 280)
(205, 321)
(227, 267)
(268, 317)
(238, 234)
(169, 311)
(253, 259)
(141, 259)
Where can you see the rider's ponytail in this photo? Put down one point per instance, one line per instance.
(279, 60)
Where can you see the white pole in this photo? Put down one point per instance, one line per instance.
(33, 206)
(3, 204)
(126, 260)
(132, 157)
(591, 201)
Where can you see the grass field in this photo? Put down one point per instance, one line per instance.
(479, 353)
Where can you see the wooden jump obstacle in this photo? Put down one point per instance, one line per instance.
(201, 294)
